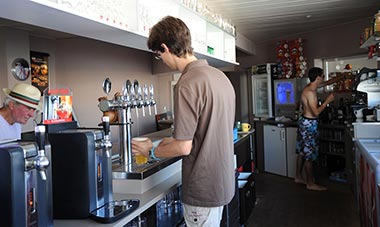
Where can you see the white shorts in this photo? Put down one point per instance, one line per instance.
(202, 216)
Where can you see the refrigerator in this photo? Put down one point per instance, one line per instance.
(239, 80)
(279, 150)
(262, 77)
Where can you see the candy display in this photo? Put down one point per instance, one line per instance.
(291, 62)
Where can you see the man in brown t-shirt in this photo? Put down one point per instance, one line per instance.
(204, 112)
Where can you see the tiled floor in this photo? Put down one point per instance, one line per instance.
(283, 203)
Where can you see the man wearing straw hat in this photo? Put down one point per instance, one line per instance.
(19, 106)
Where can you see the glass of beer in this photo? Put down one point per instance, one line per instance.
(140, 159)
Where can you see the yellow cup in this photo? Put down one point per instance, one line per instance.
(245, 127)
(140, 159)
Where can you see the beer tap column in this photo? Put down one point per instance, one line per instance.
(135, 97)
(125, 121)
(106, 145)
(41, 162)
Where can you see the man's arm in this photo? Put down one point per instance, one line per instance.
(312, 100)
(170, 147)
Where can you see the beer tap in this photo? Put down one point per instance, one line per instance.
(41, 162)
(127, 90)
(146, 99)
(106, 142)
(140, 100)
(133, 96)
(152, 101)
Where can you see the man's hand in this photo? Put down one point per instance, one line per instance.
(330, 98)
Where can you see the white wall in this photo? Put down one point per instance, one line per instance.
(13, 44)
(82, 64)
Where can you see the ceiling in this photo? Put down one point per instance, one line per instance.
(266, 20)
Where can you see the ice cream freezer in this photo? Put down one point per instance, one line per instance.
(368, 180)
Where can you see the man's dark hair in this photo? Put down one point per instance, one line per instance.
(314, 73)
(174, 33)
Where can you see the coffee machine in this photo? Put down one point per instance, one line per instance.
(25, 182)
(369, 83)
(82, 173)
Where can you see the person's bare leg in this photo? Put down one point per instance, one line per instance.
(310, 184)
(299, 166)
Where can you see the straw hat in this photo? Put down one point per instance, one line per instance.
(25, 94)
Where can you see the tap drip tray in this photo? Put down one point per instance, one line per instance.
(142, 171)
(115, 210)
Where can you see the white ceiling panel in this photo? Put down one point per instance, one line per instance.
(268, 20)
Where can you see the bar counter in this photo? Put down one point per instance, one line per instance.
(147, 199)
(156, 193)
(169, 181)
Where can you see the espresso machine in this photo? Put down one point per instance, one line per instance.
(25, 182)
(82, 173)
(369, 83)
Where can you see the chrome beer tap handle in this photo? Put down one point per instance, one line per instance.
(146, 99)
(133, 99)
(106, 143)
(126, 88)
(141, 101)
(152, 101)
(136, 88)
(128, 92)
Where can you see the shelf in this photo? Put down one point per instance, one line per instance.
(124, 23)
(335, 127)
(331, 140)
(334, 154)
(373, 40)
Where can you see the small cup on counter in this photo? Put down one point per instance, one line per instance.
(140, 159)
(245, 127)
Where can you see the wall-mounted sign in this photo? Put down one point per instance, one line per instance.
(40, 70)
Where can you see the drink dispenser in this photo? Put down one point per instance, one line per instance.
(82, 173)
(25, 183)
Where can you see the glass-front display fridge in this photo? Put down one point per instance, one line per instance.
(262, 90)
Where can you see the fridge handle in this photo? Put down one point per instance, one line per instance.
(282, 134)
